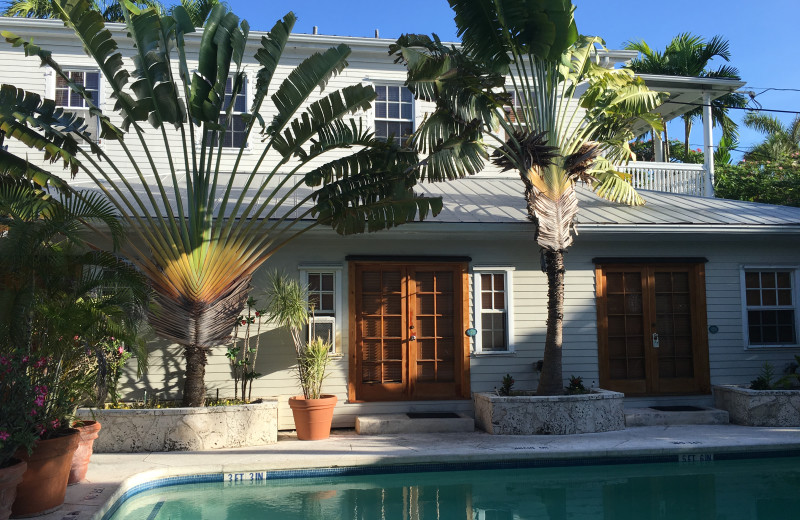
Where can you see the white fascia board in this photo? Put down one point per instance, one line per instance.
(687, 229)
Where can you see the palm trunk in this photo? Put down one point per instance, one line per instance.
(666, 144)
(687, 125)
(194, 388)
(551, 381)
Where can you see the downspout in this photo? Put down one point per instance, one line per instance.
(708, 146)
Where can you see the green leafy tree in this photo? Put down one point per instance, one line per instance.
(560, 135)
(767, 181)
(690, 55)
(315, 166)
(781, 141)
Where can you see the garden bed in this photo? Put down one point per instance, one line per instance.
(597, 411)
(185, 429)
(758, 407)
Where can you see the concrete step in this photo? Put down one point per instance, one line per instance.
(672, 415)
(419, 422)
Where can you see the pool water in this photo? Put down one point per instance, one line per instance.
(765, 489)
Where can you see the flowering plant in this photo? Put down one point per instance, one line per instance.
(115, 356)
(38, 398)
(23, 401)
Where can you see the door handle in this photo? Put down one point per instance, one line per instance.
(412, 338)
(655, 340)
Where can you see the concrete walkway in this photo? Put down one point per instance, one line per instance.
(111, 474)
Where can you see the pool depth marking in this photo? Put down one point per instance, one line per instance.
(695, 457)
(247, 476)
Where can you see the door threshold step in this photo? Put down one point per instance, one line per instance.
(414, 422)
(673, 415)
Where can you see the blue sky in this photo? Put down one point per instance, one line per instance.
(762, 34)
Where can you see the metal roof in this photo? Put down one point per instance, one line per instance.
(484, 199)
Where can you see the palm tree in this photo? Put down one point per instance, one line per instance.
(689, 55)
(198, 10)
(556, 138)
(781, 140)
(200, 239)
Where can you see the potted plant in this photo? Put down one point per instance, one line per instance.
(46, 442)
(288, 307)
(20, 402)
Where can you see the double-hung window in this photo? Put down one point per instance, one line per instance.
(75, 103)
(324, 301)
(492, 297)
(771, 301)
(394, 112)
(235, 135)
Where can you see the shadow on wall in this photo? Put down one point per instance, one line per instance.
(164, 377)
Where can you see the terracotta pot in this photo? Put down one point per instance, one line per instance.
(80, 460)
(44, 484)
(10, 477)
(313, 417)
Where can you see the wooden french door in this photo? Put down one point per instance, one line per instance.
(407, 323)
(651, 321)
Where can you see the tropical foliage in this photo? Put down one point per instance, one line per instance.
(197, 10)
(781, 141)
(174, 192)
(571, 120)
(690, 55)
(288, 308)
(771, 182)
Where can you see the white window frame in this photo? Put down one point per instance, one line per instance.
(795, 275)
(373, 115)
(477, 340)
(338, 297)
(50, 89)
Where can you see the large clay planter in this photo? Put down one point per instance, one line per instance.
(10, 477)
(80, 460)
(44, 484)
(313, 417)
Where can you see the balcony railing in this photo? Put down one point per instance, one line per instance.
(686, 179)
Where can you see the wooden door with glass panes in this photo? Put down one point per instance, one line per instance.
(407, 326)
(651, 323)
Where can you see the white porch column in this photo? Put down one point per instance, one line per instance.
(708, 145)
(658, 147)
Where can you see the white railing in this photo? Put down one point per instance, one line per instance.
(687, 179)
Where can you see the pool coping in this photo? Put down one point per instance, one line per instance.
(526, 456)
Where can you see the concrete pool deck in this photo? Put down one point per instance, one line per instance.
(111, 474)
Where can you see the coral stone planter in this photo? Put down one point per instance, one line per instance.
(10, 477)
(758, 407)
(598, 411)
(80, 460)
(313, 417)
(44, 484)
(185, 429)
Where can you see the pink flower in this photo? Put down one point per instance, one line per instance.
(40, 389)
(41, 363)
(121, 349)
(112, 338)
(39, 401)
(4, 435)
(76, 338)
(3, 360)
(243, 322)
(25, 359)
(33, 412)
(56, 423)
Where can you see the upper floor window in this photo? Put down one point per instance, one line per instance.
(770, 301)
(235, 135)
(73, 102)
(394, 112)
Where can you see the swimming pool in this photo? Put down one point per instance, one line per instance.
(763, 488)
